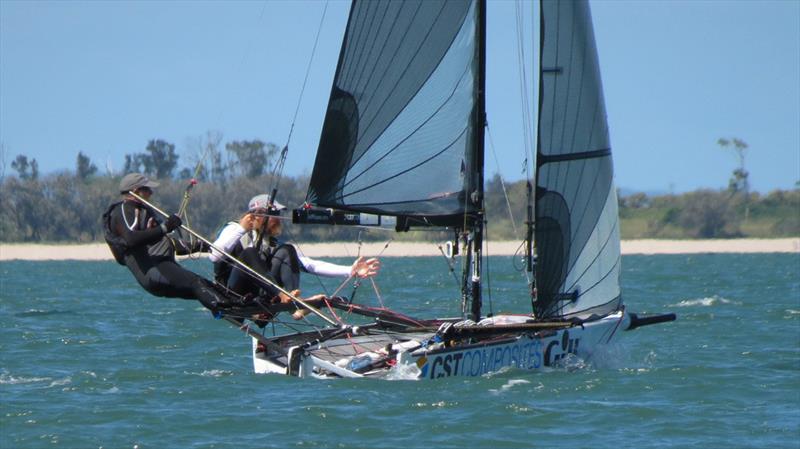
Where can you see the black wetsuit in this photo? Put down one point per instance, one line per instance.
(284, 265)
(150, 255)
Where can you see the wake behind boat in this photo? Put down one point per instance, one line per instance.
(402, 146)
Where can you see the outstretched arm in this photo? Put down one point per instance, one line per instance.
(360, 268)
(365, 268)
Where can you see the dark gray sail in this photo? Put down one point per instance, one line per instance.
(400, 136)
(577, 223)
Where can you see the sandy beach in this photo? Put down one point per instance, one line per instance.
(99, 251)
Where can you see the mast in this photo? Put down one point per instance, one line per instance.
(479, 126)
(531, 195)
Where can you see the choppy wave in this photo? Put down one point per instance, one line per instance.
(40, 313)
(509, 385)
(213, 373)
(704, 302)
(9, 379)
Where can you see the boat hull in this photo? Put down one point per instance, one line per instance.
(524, 350)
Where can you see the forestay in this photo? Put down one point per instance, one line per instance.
(399, 136)
(577, 229)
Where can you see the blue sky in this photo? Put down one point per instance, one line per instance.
(105, 77)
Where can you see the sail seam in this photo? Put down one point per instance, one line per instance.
(466, 128)
(600, 281)
(366, 107)
(584, 212)
(605, 244)
(428, 119)
(355, 44)
(570, 58)
(560, 307)
(575, 125)
(356, 81)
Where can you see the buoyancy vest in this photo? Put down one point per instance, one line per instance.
(115, 242)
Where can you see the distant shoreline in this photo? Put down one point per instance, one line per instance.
(99, 251)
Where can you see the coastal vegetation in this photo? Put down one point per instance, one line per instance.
(67, 206)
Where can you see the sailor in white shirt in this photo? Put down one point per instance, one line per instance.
(281, 263)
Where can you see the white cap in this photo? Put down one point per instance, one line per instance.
(263, 202)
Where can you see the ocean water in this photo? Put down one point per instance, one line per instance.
(88, 360)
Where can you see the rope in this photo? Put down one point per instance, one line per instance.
(277, 171)
(377, 292)
(450, 266)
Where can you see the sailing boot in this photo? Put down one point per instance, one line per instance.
(211, 298)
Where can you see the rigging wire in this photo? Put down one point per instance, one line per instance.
(528, 123)
(183, 208)
(502, 182)
(277, 170)
(349, 278)
(488, 269)
(450, 266)
(525, 95)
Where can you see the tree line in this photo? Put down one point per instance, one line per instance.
(67, 206)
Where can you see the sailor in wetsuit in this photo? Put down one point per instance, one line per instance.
(147, 247)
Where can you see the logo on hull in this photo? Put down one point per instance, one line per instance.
(525, 353)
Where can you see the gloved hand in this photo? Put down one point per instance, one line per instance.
(172, 222)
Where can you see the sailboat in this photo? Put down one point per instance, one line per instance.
(402, 145)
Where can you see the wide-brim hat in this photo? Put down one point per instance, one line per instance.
(133, 181)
